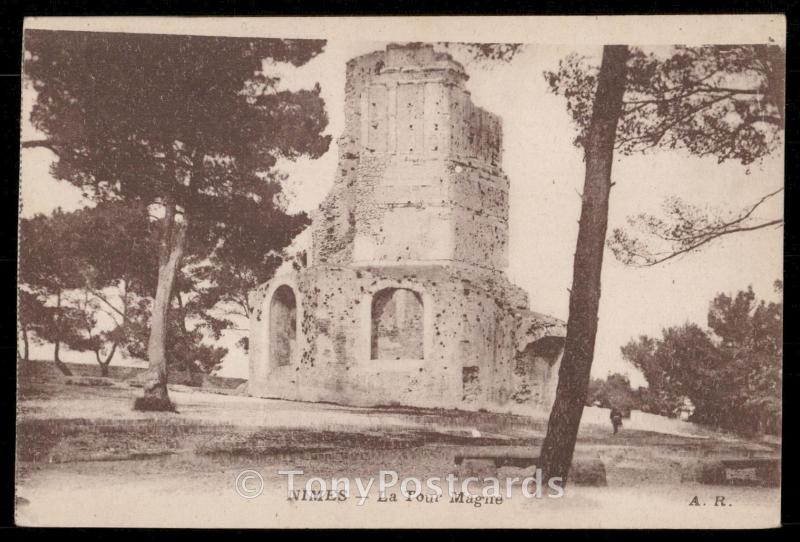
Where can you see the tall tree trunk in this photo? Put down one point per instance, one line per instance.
(584, 299)
(26, 349)
(57, 347)
(60, 365)
(173, 240)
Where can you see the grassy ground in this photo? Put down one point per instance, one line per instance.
(79, 437)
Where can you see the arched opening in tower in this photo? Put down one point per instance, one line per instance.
(397, 324)
(282, 326)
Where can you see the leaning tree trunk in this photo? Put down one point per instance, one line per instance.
(26, 348)
(173, 241)
(57, 346)
(584, 299)
(57, 359)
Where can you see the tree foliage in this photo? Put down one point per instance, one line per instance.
(46, 262)
(731, 372)
(190, 125)
(720, 101)
(80, 268)
(683, 228)
(614, 392)
(486, 52)
(47, 271)
(102, 261)
(190, 120)
(249, 250)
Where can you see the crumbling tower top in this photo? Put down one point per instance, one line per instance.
(415, 83)
(420, 179)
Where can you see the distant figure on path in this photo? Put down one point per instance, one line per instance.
(616, 419)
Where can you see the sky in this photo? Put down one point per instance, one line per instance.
(546, 174)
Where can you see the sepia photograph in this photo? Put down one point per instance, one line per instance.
(401, 272)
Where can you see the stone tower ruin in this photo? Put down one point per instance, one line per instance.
(404, 298)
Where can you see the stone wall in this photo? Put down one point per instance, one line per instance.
(333, 223)
(471, 335)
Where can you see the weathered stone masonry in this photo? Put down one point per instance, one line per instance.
(404, 299)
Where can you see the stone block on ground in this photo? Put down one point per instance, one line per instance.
(588, 472)
(737, 471)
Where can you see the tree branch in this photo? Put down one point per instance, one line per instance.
(709, 238)
(34, 143)
(99, 296)
(684, 232)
